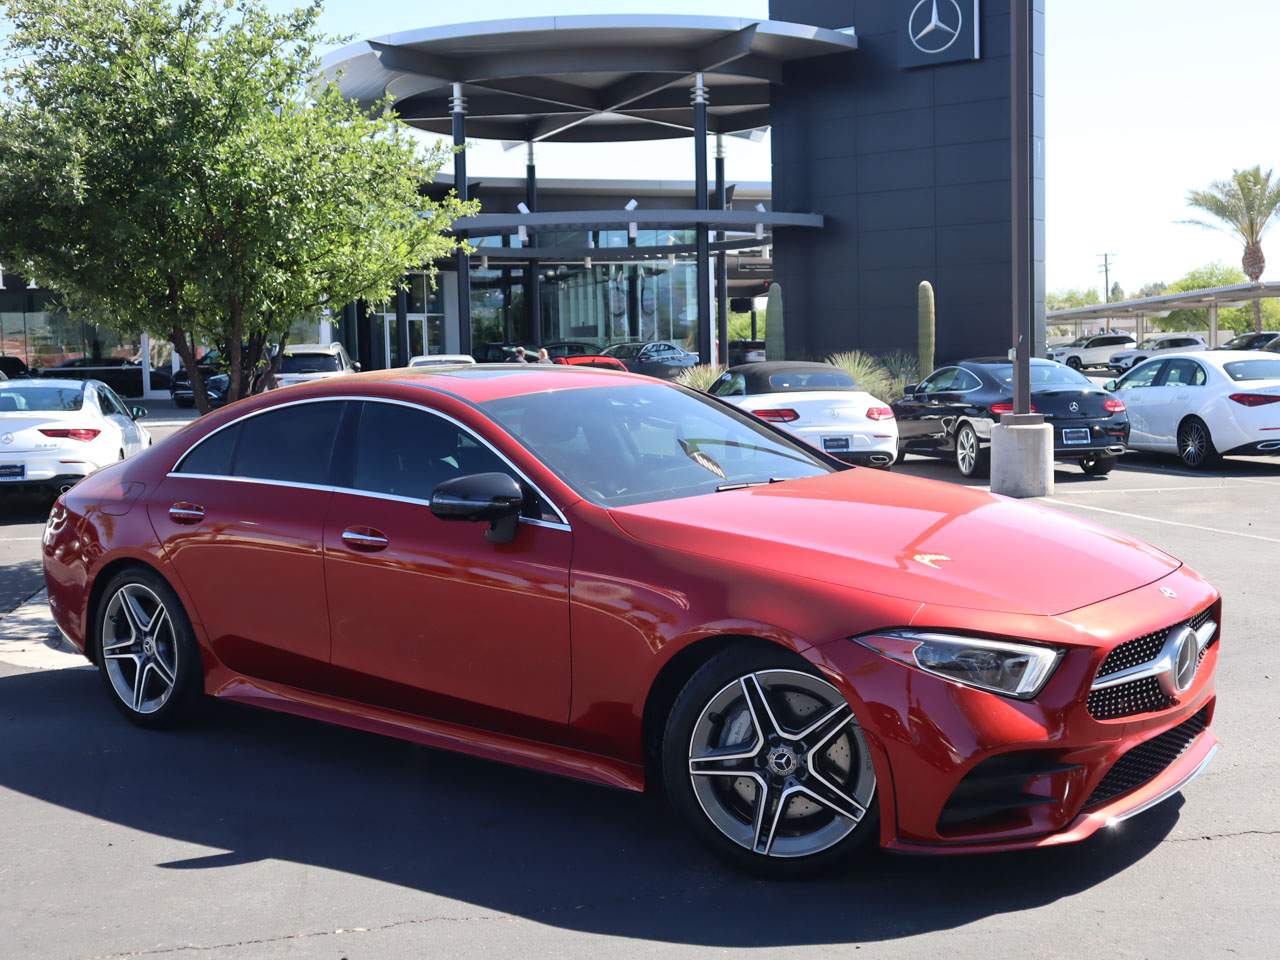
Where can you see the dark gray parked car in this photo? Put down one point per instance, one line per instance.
(653, 358)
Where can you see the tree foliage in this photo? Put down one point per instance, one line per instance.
(176, 167)
(1236, 319)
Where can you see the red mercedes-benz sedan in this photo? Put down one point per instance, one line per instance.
(616, 579)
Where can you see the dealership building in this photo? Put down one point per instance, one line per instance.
(891, 165)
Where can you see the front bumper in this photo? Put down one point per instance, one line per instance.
(1041, 772)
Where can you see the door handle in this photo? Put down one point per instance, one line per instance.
(366, 539)
(184, 512)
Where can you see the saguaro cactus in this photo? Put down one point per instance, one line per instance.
(926, 325)
(775, 343)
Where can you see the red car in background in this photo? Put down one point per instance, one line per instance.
(592, 360)
(627, 582)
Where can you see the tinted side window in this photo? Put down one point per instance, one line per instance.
(730, 385)
(407, 453)
(1184, 373)
(293, 443)
(1144, 376)
(942, 380)
(966, 380)
(213, 455)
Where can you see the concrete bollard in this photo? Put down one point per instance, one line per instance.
(1022, 459)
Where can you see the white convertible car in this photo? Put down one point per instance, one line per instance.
(817, 403)
(1203, 405)
(54, 433)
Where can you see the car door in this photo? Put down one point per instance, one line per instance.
(1178, 390)
(920, 414)
(428, 615)
(115, 410)
(1135, 390)
(241, 520)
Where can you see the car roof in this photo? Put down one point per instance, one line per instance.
(312, 348)
(1002, 361)
(47, 382)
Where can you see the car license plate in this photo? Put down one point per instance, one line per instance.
(13, 471)
(835, 443)
(1076, 435)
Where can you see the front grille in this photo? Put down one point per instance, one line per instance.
(1148, 760)
(1138, 696)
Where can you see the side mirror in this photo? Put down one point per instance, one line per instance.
(137, 412)
(479, 497)
(909, 389)
(1110, 386)
(356, 366)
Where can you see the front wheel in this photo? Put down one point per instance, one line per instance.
(146, 651)
(1195, 444)
(1098, 466)
(1074, 363)
(971, 458)
(767, 763)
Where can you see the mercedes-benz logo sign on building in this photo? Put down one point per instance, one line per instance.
(935, 25)
(939, 31)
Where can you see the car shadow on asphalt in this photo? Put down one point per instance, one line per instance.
(18, 508)
(249, 785)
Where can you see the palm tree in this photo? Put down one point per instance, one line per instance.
(1246, 205)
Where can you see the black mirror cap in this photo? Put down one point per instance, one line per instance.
(909, 389)
(493, 497)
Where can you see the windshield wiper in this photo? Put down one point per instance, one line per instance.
(743, 485)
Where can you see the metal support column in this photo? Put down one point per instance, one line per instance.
(702, 202)
(349, 338)
(533, 275)
(1021, 162)
(458, 108)
(722, 262)
(402, 329)
(1213, 324)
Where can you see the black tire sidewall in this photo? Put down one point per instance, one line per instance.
(1098, 466)
(1210, 451)
(705, 683)
(980, 461)
(190, 680)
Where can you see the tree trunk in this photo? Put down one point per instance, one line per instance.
(1257, 316)
(187, 351)
(233, 350)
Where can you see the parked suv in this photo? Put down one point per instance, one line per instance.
(304, 362)
(1160, 343)
(1252, 341)
(1092, 351)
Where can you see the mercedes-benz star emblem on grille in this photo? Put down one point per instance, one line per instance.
(935, 25)
(7, 438)
(1074, 407)
(1186, 658)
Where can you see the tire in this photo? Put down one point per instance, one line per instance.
(1195, 444)
(166, 653)
(971, 459)
(821, 794)
(1074, 363)
(1098, 466)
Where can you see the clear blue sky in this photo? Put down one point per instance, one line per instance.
(1146, 99)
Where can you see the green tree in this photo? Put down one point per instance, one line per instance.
(175, 166)
(1236, 319)
(1244, 206)
(1065, 299)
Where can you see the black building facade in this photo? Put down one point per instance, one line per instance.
(906, 152)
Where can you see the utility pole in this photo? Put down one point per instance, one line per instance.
(1105, 270)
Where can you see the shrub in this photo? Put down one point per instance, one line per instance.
(700, 377)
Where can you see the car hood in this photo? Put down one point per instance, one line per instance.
(919, 540)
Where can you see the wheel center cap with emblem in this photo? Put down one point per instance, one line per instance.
(149, 647)
(782, 761)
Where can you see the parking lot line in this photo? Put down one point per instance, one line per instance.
(1101, 489)
(1168, 523)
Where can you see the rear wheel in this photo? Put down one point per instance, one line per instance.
(145, 648)
(1098, 466)
(971, 458)
(766, 762)
(1074, 363)
(1195, 444)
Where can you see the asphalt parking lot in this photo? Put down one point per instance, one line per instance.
(251, 835)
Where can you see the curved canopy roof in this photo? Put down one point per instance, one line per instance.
(582, 78)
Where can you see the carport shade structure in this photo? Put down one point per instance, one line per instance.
(589, 79)
(1212, 299)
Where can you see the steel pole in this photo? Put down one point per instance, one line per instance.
(1020, 95)
(722, 261)
(458, 109)
(533, 273)
(702, 202)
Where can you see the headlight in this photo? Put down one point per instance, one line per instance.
(999, 666)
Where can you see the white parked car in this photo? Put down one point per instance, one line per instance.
(1091, 351)
(1160, 343)
(441, 360)
(1203, 405)
(54, 433)
(304, 362)
(817, 403)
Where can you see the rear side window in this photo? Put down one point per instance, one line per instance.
(1184, 373)
(293, 443)
(213, 456)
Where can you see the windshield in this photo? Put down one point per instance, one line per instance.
(1151, 343)
(619, 446)
(1253, 370)
(1043, 375)
(792, 381)
(309, 363)
(1080, 342)
(40, 398)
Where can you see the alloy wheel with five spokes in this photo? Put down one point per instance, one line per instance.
(779, 766)
(140, 649)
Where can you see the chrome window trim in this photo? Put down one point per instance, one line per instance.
(562, 524)
(954, 366)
